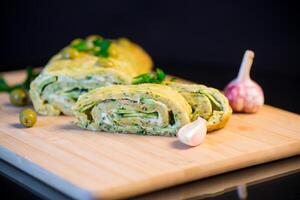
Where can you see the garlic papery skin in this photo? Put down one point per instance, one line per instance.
(193, 134)
(243, 93)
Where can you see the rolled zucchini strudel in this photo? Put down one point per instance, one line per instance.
(206, 102)
(146, 109)
(83, 65)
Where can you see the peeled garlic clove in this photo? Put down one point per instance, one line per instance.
(244, 94)
(193, 133)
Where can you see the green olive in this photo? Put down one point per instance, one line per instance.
(19, 97)
(70, 53)
(28, 117)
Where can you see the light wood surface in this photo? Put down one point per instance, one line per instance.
(87, 165)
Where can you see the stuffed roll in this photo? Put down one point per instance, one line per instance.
(147, 109)
(206, 102)
(82, 66)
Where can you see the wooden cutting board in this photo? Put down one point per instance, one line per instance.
(87, 165)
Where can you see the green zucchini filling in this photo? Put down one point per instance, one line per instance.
(206, 102)
(148, 109)
(125, 115)
(55, 94)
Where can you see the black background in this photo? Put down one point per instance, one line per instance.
(196, 40)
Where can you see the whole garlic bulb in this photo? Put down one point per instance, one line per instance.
(243, 93)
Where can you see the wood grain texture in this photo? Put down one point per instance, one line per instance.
(105, 165)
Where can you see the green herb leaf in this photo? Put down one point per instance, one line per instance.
(104, 46)
(3, 84)
(80, 46)
(99, 46)
(157, 77)
(31, 74)
(97, 42)
(160, 75)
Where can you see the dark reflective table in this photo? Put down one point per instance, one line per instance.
(267, 181)
(275, 180)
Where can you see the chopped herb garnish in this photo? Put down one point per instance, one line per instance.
(80, 46)
(98, 42)
(31, 74)
(160, 75)
(157, 77)
(99, 46)
(104, 45)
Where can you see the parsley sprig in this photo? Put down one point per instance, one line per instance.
(31, 74)
(104, 45)
(99, 47)
(156, 77)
